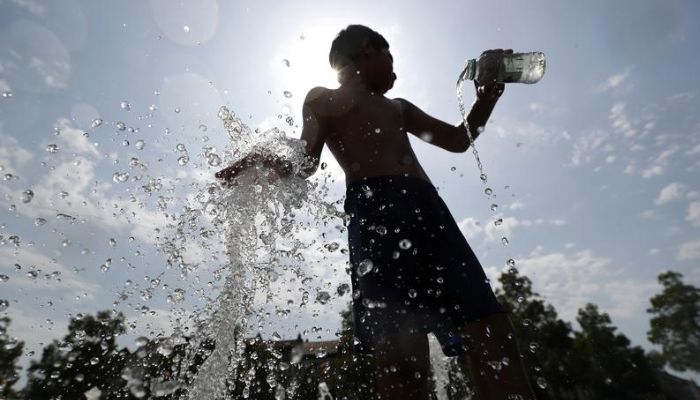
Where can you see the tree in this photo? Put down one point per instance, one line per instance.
(545, 341)
(353, 374)
(10, 351)
(675, 324)
(609, 367)
(86, 358)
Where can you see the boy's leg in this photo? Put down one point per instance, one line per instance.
(490, 342)
(403, 363)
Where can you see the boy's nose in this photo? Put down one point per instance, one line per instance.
(393, 75)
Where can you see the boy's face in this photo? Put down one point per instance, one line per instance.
(379, 70)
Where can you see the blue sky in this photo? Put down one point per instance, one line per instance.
(595, 168)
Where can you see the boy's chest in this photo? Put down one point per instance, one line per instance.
(363, 115)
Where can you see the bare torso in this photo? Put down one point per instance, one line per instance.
(366, 134)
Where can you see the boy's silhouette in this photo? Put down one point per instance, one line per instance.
(413, 271)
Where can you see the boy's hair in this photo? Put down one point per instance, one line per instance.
(347, 46)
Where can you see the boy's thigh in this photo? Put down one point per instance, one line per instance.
(404, 351)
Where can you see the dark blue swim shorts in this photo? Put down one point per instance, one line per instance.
(412, 268)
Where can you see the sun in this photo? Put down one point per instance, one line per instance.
(303, 61)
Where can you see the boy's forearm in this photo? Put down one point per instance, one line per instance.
(479, 115)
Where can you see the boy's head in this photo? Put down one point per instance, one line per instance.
(359, 49)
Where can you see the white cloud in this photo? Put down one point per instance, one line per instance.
(648, 214)
(516, 205)
(661, 162)
(654, 251)
(671, 192)
(569, 281)
(614, 81)
(620, 121)
(626, 296)
(586, 145)
(13, 156)
(689, 250)
(63, 280)
(470, 227)
(694, 213)
(73, 140)
(682, 96)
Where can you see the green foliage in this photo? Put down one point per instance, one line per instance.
(87, 357)
(675, 322)
(545, 341)
(10, 351)
(606, 363)
(353, 375)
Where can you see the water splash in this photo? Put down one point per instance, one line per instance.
(256, 221)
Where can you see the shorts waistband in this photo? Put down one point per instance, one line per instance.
(390, 181)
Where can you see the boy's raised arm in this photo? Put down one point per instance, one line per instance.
(449, 137)
(313, 133)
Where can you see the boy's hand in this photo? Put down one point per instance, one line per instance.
(486, 86)
(277, 167)
(490, 91)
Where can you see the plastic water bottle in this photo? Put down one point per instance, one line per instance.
(513, 68)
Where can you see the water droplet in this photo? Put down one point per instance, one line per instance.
(121, 126)
(365, 267)
(4, 305)
(183, 160)
(377, 130)
(285, 62)
(139, 144)
(404, 244)
(94, 361)
(202, 127)
(483, 177)
(4, 278)
(120, 177)
(323, 165)
(332, 246)
(112, 242)
(323, 297)
(7, 94)
(27, 196)
(343, 288)
(66, 243)
(541, 383)
(488, 191)
(180, 147)
(52, 148)
(177, 110)
(412, 293)
(505, 241)
(498, 222)
(494, 207)
(186, 28)
(214, 160)
(125, 105)
(287, 94)
(381, 229)
(96, 122)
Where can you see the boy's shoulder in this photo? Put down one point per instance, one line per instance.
(324, 101)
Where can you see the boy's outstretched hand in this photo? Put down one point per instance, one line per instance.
(276, 168)
(486, 86)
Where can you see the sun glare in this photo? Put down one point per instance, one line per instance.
(304, 61)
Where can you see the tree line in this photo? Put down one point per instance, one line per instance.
(593, 362)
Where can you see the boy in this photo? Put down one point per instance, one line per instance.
(412, 270)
